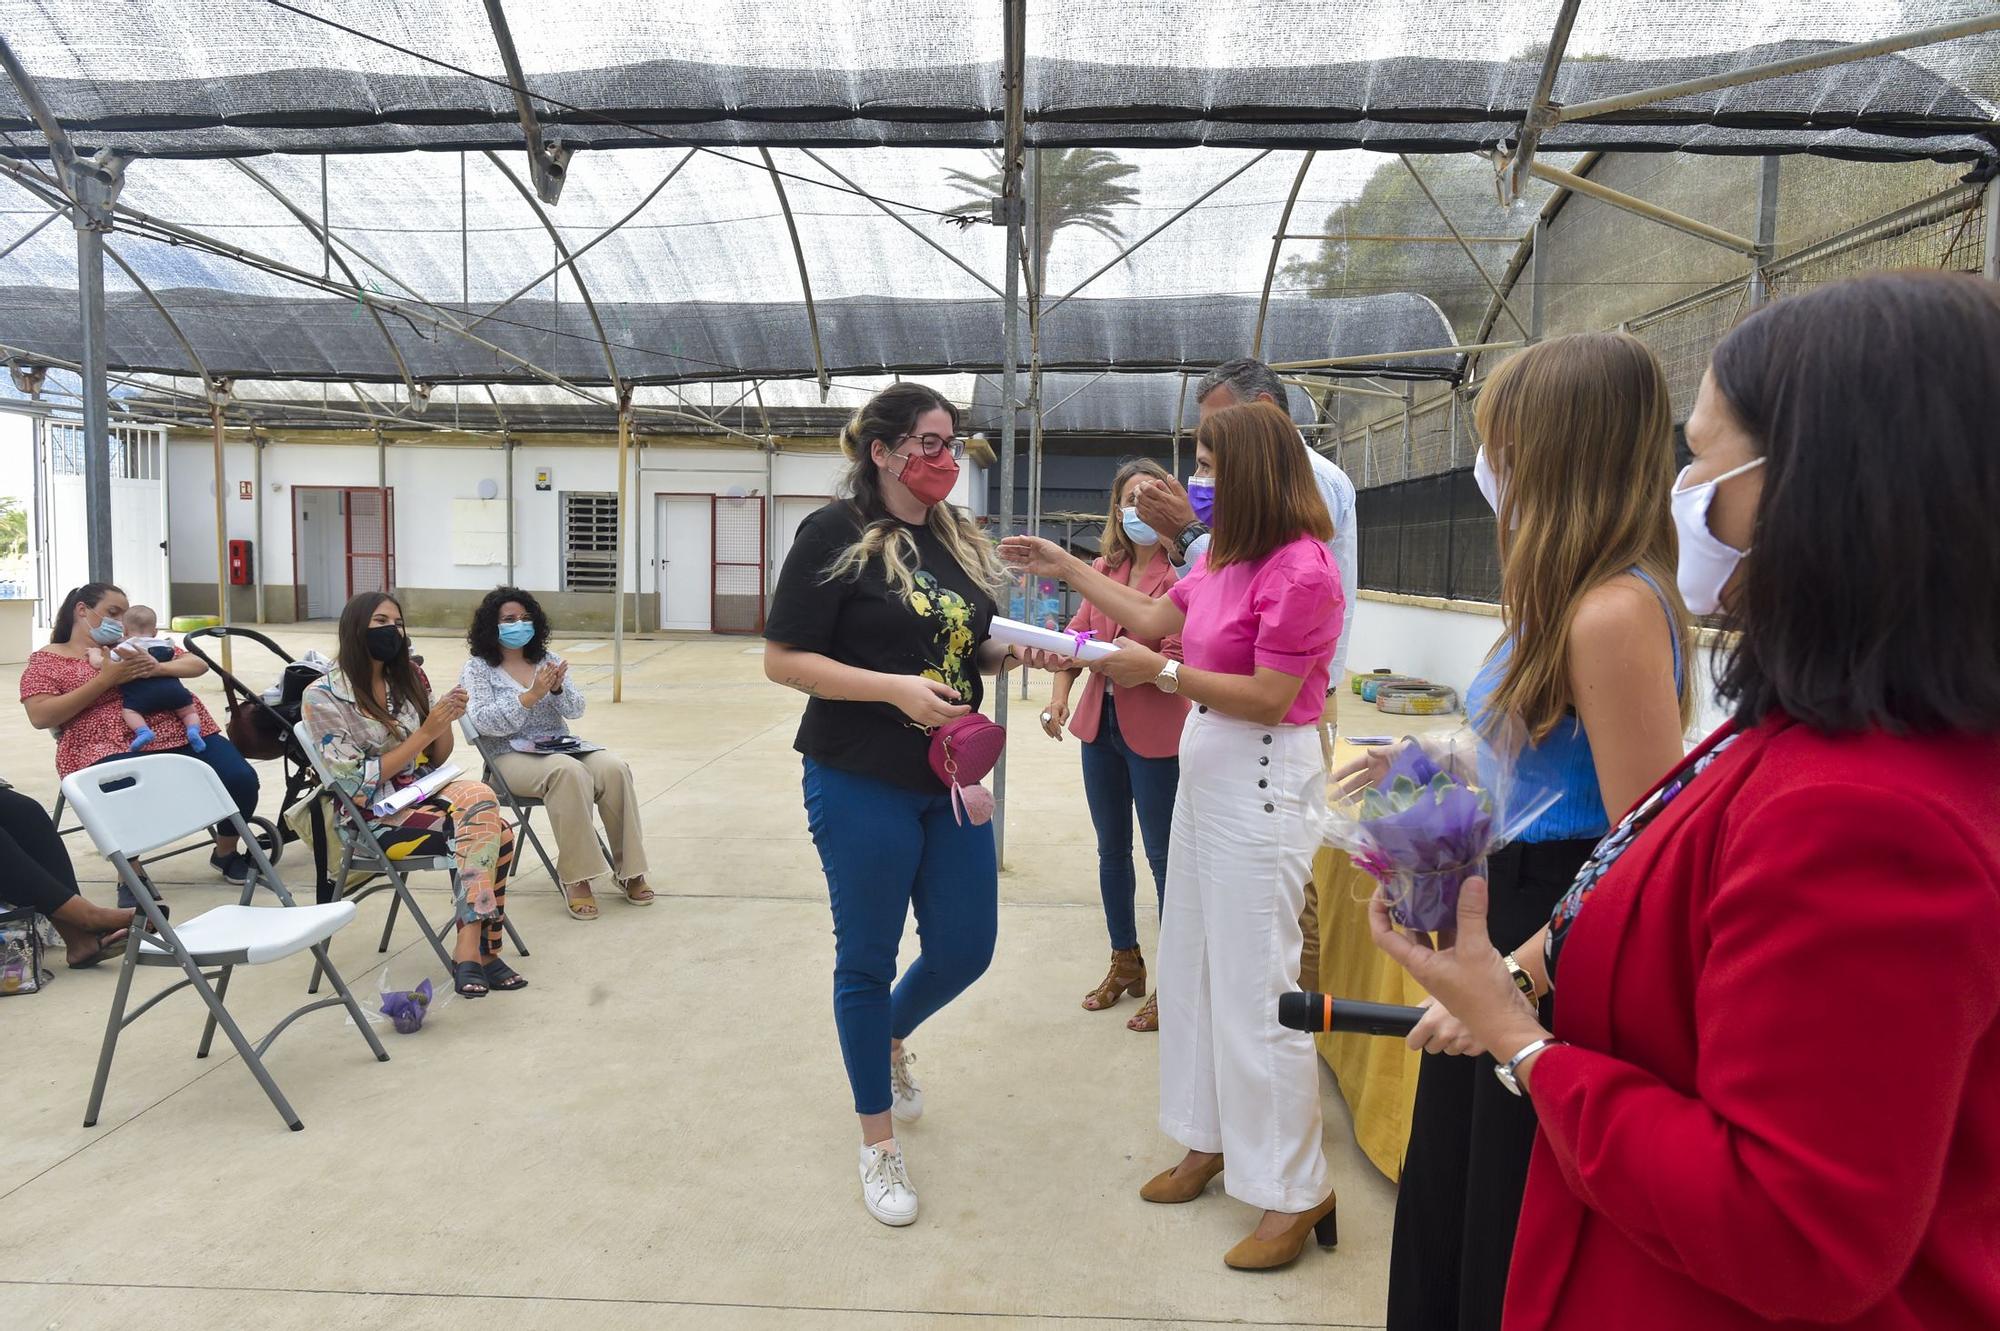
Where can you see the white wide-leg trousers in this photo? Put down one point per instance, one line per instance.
(1246, 826)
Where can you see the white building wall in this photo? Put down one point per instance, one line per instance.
(426, 480)
(1448, 646)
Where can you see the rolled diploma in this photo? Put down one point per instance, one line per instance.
(1049, 640)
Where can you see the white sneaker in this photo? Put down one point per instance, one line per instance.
(885, 1184)
(909, 1103)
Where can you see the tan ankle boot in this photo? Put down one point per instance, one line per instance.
(1127, 975)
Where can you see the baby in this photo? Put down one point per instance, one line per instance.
(160, 693)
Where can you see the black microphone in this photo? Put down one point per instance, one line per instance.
(1303, 1011)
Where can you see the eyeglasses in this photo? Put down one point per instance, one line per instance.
(934, 444)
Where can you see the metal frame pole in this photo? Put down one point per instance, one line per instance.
(257, 551)
(1180, 416)
(1538, 271)
(1013, 62)
(221, 529)
(618, 525)
(1767, 229)
(1541, 117)
(96, 402)
(1590, 189)
(1839, 55)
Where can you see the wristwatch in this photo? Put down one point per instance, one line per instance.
(1506, 1071)
(1189, 534)
(1169, 678)
(1519, 974)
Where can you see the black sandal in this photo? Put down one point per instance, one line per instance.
(499, 975)
(469, 973)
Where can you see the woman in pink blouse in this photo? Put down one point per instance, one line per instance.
(1258, 617)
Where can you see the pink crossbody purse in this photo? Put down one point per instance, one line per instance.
(963, 751)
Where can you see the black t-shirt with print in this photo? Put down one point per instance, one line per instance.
(860, 621)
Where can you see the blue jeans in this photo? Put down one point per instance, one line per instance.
(886, 849)
(239, 778)
(1115, 779)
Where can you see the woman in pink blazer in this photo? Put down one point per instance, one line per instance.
(1131, 747)
(1771, 1098)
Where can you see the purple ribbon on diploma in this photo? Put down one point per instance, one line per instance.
(1082, 636)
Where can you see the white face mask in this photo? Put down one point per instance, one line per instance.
(1488, 483)
(1706, 562)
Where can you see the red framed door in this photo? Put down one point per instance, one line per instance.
(736, 587)
(371, 539)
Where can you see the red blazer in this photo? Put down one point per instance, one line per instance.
(1149, 720)
(1781, 1103)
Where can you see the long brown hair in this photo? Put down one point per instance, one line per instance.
(1265, 496)
(888, 416)
(404, 683)
(1119, 549)
(1580, 431)
(89, 594)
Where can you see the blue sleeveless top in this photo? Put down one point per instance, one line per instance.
(1562, 762)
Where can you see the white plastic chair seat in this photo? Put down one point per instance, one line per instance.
(254, 934)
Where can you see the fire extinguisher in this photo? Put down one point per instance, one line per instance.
(239, 563)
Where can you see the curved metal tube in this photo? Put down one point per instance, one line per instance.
(805, 278)
(1277, 244)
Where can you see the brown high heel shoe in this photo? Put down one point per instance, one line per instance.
(1170, 1187)
(1127, 975)
(1255, 1254)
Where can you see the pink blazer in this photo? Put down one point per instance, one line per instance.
(1149, 720)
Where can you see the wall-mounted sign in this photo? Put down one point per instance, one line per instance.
(243, 490)
(542, 479)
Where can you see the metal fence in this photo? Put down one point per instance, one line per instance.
(1429, 536)
(1425, 530)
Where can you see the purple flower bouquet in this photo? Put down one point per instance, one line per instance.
(1429, 822)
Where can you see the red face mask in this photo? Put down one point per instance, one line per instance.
(929, 479)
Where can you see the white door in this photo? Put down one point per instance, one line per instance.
(685, 530)
(791, 512)
(319, 536)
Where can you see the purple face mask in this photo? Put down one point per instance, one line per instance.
(1201, 497)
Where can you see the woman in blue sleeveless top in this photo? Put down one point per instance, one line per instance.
(1577, 463)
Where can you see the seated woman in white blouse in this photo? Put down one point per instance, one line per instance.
(516, 688)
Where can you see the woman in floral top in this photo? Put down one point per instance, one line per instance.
(376, 728)
(62, 691)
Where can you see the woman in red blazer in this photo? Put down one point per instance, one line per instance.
(1772, 1096)
(1131, 746)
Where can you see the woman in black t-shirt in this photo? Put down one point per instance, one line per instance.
(881, 619)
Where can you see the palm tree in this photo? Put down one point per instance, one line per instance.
(1071, 186)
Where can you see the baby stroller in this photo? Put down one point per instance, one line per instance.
(260, 727)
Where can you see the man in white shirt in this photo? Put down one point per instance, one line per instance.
(1165, 508)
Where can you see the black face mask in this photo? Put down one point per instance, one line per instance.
(387, 644)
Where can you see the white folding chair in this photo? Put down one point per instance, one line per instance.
(363, 851)
(138, 804)
(521, 805)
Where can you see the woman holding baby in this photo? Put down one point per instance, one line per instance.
(84, 700)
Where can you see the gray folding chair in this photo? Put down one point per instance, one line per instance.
(489, 749)
(363, 851)
(138, 804)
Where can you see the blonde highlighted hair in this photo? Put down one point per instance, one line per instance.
(887, 418)
(1580, 431)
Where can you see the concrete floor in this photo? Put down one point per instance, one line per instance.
(656, 1133)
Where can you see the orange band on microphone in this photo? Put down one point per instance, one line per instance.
(1326, 1017)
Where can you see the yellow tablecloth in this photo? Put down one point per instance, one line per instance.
(1377, 1075)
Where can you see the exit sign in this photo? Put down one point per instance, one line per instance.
(243, 490)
